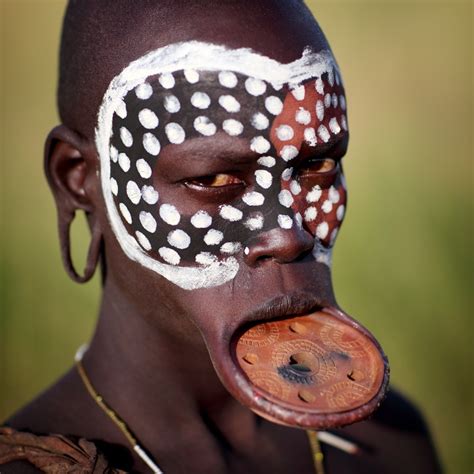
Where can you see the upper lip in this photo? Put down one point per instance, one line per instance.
(282, 306)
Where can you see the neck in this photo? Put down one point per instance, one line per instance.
(159, 378)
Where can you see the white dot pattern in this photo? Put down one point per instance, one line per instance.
(121, 109)
(314, 117)
(254, 222)
(322, 230)
(126, 137)
(320, 110)
(323, 133)
(287, 174)
(113, 154)
(310, 136)
(167, 80)
(151, 144)
(259, 144)
(125, 212)
(191, 75)
(285, 132)
(147, 221)
(284, 221)
(228, 79)
(295, 188)
(298, 92)
(255, 86)
(172, 104)
(149, 194)
(201, 220)
(170, 214)
(204, 126)
(285, 198)
(179, 239)
(114, 186)
(124, 161)
(229, 103)
(200, 100)
(169, 255)
(133, 192)
(315, 194)
(205, 258)
(144, 91)
(213, 237)
(288, 152)
(264, 178)
(143, 241)
(230, 213)
(232, 127)
(267, 161)
(143, 168)
(319, 86)
(175, 133)
(334, 126)
(327, 206)
(148, 119)
(310, 214)
(231, 247)
(340, 212)
(274, 105)
(303, 116)
(253, 198)
(260, 121)
(334, 195)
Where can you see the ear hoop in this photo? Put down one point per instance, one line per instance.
(92, 254)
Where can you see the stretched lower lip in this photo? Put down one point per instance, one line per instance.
(318, 370)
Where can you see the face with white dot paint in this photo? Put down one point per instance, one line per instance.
(198, 163)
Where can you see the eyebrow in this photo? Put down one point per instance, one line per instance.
(231, 150)
(339, 141)
(236, 151)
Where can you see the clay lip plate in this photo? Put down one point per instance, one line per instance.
(317, 371)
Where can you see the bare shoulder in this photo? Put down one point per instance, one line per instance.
(55, 410)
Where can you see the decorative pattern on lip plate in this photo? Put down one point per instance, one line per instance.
(315, 363)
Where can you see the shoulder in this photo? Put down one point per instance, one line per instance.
(29, 442)
(395, 439)
(400, 413)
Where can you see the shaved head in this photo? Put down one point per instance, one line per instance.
(100, 38)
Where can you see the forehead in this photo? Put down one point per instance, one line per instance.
(236, 83)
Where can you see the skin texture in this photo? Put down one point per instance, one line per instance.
(148, 357)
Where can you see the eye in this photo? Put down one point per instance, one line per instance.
(219, 180)
(317, 167)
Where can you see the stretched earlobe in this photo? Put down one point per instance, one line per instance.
(70, 168)
(93, 253)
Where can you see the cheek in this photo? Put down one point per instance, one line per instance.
(320, 209)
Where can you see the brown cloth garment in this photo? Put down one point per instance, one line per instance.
(53, 454)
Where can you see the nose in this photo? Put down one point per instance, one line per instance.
(282, 245)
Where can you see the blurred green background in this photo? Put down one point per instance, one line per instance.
(403, 260)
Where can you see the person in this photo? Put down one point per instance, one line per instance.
(204, 141)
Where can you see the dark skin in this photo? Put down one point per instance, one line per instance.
(149, 357)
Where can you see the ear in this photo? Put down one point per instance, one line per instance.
(70, 165)
(70, 169)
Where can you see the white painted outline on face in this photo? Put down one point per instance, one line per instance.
(196, 56)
